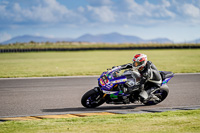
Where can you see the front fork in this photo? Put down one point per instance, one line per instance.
(104, 96)
(97, 89)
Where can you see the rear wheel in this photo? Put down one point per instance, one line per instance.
(157, 97)
(92, 99)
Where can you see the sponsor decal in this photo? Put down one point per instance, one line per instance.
(119, 81)
(109, 92)
(102, 83)
(109, 86)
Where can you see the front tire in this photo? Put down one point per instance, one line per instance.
(92, 99)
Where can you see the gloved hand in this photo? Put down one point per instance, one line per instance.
(113, 67)
(110, 68)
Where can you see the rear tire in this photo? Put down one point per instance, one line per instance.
(92, 99)
(160, 93)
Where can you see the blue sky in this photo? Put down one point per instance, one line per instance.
(178, 20)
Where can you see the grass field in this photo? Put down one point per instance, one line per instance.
(41, 64)
(166, 122)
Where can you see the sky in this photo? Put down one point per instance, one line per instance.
(177, 20)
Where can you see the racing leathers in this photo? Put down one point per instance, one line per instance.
(150, 78)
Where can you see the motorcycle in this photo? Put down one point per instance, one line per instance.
(113, 83)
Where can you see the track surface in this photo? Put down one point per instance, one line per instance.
(39, 96)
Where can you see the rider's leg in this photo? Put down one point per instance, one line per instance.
(149, 87)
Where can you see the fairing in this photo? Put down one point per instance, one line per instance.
(108, 80)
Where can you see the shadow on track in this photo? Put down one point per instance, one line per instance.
(82, 109)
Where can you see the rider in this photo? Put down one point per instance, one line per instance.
(149, 75)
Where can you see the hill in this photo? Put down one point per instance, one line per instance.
(101, 38)
(28, 38)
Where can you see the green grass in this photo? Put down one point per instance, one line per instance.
(40, 64)
(166, 122)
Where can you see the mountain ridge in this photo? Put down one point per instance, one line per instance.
(100, 38)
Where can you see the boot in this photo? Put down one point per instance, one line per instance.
(144, 94)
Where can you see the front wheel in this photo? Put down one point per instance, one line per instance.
(92, 99)
(157, 96)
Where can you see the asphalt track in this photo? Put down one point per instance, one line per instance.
(45, 96)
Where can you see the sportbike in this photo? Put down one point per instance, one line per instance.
(113, 83)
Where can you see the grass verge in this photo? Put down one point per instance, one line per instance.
(171, 121)
(42, 64)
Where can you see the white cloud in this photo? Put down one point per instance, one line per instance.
(17, 7)
(3, 12)
(102, 14)
(126, 26)
(4, 37)
(189, 13)
(100, 2)
(106, 2)
(127, 12)
(135, 8)
(149, 10)
(166, 3)
(191, 10)
(81, 9)
(49, 11)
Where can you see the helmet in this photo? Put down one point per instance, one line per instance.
(139, 61)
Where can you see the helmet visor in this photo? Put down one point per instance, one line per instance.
(137, 63)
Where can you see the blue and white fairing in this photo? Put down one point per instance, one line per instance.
(107, 81)
(166, 80)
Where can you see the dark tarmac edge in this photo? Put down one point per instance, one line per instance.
(95, 113)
